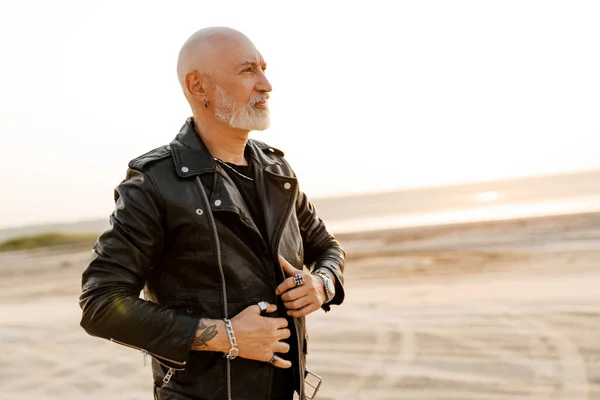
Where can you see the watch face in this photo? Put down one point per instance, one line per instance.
(329, 289)
(327, 283)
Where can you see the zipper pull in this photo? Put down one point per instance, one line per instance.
(145, 353)
(168, 376)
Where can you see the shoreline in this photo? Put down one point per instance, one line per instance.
(482, 310)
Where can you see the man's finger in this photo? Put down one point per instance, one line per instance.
(284, 333)
(295, 293)
(282, 347)
(285, 286)
(288, 268)
(304, 311)
(281, 363)
(281, 323)
(298, 303)
(270, 308)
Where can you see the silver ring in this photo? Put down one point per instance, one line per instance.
(274, 359)
(263, 308)
(298, 279)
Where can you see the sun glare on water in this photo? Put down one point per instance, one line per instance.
(487, 196)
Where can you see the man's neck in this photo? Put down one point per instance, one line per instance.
(222, 141)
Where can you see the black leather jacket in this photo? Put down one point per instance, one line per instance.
(177, 233)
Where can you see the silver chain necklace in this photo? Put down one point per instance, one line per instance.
(233, 169)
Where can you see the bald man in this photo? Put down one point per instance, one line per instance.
(230, 254)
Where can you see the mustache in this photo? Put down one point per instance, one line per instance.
(259, 98)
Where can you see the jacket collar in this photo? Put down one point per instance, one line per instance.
(191, 157)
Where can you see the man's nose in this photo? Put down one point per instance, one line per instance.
(263, 84)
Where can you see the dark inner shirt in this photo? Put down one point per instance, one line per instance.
(283, 379)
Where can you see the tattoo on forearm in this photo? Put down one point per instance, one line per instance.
(204, 334)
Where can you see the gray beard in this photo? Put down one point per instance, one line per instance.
(241, 116)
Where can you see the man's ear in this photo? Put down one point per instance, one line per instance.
(194, 83)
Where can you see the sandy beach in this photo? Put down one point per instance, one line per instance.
(492, 310)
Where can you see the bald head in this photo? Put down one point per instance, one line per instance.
(206, 50)
(222, 76)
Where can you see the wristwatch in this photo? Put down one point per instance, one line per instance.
(328, 283)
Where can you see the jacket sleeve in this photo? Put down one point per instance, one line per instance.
(111, 284)
(321, 249)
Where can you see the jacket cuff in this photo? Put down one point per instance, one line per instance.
(178, 346)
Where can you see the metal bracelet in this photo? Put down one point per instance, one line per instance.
(232, 341)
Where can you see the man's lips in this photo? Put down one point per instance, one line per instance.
(261, 104)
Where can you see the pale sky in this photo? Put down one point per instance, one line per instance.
(367, 95)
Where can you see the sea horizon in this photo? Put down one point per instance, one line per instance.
(567, 193)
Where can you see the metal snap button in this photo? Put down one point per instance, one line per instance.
(217, 202)
(168, 147)
(271, 150)
(199, 211)
(185, 169)
(287, 185)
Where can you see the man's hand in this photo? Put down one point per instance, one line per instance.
(258, 337)
(304, 299)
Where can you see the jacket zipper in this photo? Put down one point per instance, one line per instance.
(171, 370)
(276, 254)
(211, 219)
(220, 265)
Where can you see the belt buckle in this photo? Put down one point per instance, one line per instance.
(316, 385)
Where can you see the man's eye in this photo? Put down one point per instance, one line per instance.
(249, 69)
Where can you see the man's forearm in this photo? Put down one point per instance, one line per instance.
(210, 336)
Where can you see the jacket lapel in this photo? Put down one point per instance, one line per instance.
(227, 197)
(276, 192)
